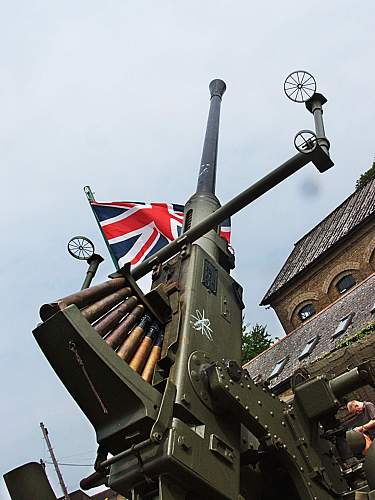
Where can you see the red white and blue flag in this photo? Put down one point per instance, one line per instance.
(136, 230)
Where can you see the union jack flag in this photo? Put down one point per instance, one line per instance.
(136, 230)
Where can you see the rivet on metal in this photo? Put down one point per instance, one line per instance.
(181, 440)
(157, 436)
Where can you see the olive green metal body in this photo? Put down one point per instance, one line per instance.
(203, 429)
(29, 482)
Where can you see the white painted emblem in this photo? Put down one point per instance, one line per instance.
(201, 324)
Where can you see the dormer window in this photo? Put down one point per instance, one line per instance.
(309, 347)
(343, 325)
(345, 283)
(278, 368)
(306, 311)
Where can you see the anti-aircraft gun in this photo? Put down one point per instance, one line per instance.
(158, 374)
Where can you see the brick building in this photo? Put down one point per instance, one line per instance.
(324, 294)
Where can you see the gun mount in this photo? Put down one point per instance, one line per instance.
(194, 425)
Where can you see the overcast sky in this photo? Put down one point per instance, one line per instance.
(114, 94)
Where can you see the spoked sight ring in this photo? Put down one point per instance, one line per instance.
(81, 247)
(305, 141)
(299, 86)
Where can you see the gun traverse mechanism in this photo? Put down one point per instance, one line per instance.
(158, 374)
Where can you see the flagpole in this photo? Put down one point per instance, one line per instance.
(90, 197)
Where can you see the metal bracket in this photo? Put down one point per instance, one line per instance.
(155, 301)
(265, 416)
(221, 448)
(198, 363)
(320, 158)
(164, 417)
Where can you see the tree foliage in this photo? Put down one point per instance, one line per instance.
(366, 177)
(255, 340)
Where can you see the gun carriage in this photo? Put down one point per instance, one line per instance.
(159, 377)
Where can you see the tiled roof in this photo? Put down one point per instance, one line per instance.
(358, 300)
(345, 218)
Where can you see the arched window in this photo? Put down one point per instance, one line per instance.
(306, 311)
(345, 283)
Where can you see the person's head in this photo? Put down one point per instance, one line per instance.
(355, 406)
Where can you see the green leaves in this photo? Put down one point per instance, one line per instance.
(366, 177)
(255, 340)
(367, 330)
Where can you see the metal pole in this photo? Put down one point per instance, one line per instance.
(203, 202)
(90, 198)
(54, 461)
(315, 106)
(233, 206)
(93, 263)
(207, 172)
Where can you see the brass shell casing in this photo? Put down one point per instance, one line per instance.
(148, 370)
(116, 337)
(130, 344)
(140, 357)
(113, 318)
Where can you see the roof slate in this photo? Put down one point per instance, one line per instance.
(359, 300)
(345, 218)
